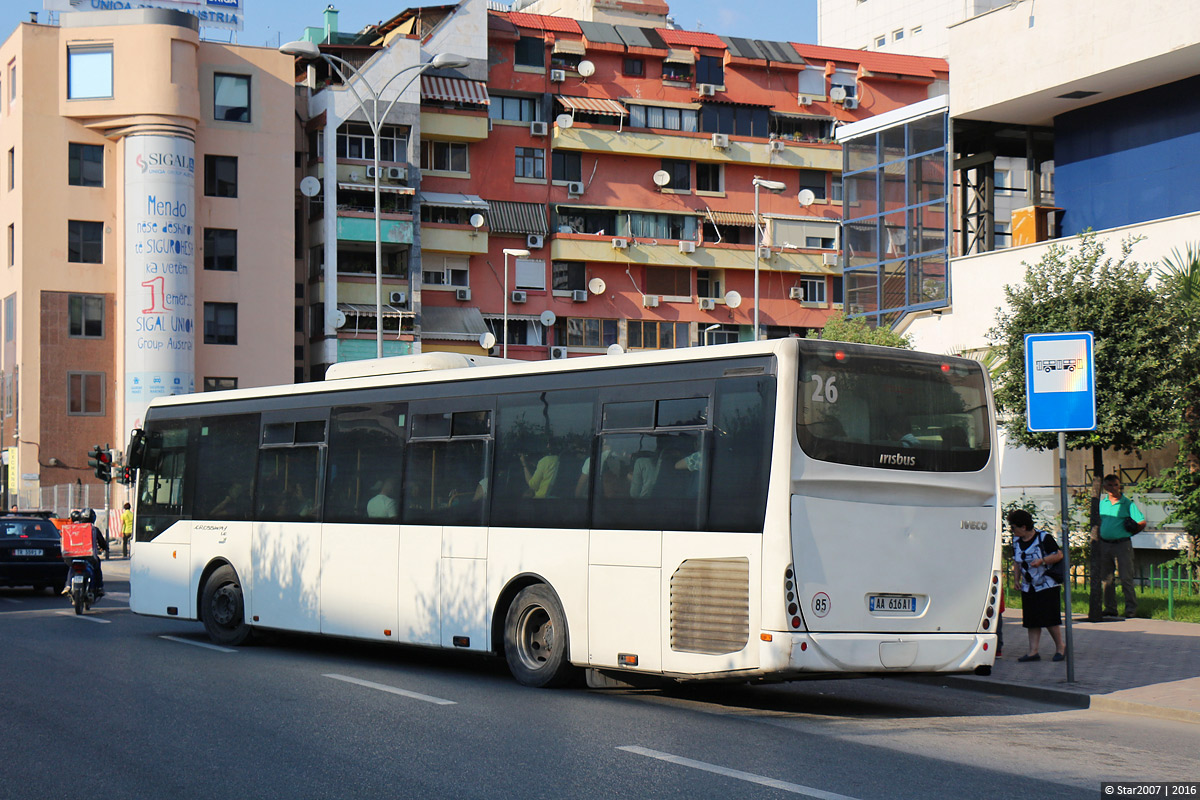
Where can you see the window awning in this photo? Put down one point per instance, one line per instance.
(508, 216)
(370, 187)
(453, 199)
(736, 219)
(570, 46)
(676, 56)
(368, 310)
(454, 90)
(456, 323)
(594, 105)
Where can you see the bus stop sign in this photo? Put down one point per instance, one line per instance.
(1060, 382)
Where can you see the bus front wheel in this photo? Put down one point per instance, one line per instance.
(222, 608)
(535, 638)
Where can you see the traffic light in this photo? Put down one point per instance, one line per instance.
(101, 460)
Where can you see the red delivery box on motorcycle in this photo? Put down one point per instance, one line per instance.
(77, 539)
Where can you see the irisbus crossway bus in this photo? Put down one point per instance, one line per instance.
(755, 511)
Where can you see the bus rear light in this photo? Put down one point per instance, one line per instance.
(987, 623)
(792, 608)
(803, 646)
(387, 632)
(990, 612)
(985, 646)
(795, 622)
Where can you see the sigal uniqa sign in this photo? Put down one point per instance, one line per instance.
(1060, 382)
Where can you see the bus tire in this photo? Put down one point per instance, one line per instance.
(535, 638)
(222, 608)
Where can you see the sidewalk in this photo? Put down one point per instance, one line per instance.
(1138, 666)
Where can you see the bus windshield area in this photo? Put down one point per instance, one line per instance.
(902, 410)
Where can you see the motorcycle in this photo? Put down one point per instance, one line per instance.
(82, 594)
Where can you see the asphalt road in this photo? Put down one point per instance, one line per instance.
(113, 705)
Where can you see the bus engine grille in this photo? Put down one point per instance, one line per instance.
(710, 605)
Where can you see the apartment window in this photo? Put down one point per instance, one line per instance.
(444, 156)
(880, 41)
(649, 334)
(530, 274)
(85, 394)
(568, 275)
(671, 119)
(581, 332)
(12, 83)
(219, 384)
(231, 97)
(355, 140)
(515, 109)
(812, 81)
(452, 271)
(634, 67)
(566, 166)
(680, 172)
(10, 318)
(531, 162)
(897, 35)
(220, 249)
(85, 313)
(85, 164)
(12, 168)
(916, 30)
(814, 181)
(85, 242)
(220, 323)
(812, 290)
(846, 79)
(710, 69)
(819, 242)
(676, 71)
(669, 281)
(530, 51)
(220, 176)
(1002, 179)
(708, 178)
(709, 283)
(739, 120)
(89, 72)
(12, 244)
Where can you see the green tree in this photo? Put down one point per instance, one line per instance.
(840, 329)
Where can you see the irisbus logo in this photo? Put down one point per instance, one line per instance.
(897, 460)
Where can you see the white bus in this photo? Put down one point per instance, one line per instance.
(755, 511)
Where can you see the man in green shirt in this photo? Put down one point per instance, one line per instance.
(1120, 519)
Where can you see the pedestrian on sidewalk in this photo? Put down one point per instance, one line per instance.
(1034, 555)
(1120, 520)
(126, 529)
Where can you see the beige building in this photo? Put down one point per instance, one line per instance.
(146, 193)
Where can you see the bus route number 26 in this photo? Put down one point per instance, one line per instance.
(826, 391)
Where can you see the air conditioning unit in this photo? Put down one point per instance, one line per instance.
(837, 94)
(706, 89)
(804, 100)
(620, 244)
(398, 298)
(518, 297)
(395, 173)
(575, 187)
(829, 259)
(687, 247)
(462, 294)
(796, 293)
(533, 242)
(777, 146)
(650, 300)
(579, 295)
(557, 353)
(764, 252)
(371, 172)
(720, 140)
(707, 304)
(850, 103)
(558, 75)
(538, 128)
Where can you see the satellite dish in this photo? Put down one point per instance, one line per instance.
(548, 318)
(806, 197)
(564, 121)
(662, 177)
(476, 221)
(596, 286)
(586, 68)
(733, 299)
(339, 318)
(309, 186)
(487, 340)
(615, 349)
(837, 94)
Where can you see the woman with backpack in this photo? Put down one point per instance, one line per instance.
(1035, 554)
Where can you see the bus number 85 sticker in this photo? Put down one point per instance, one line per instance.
(820, 604)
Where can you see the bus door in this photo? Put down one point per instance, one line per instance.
(285, 584)
(444, 539)
(360, 537)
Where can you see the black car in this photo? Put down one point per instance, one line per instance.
(31, 553)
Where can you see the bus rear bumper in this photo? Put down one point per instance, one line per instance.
(865, 652)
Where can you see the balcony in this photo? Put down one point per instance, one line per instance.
(453, 126)
(584, 247)
(698, 147)
(453, 239)
(362, 229)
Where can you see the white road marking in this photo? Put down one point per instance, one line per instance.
(392, 690)
(84, 616)
(11, 600)
(794, 788)
(205, 645)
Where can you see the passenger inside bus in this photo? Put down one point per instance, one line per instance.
(383, 504)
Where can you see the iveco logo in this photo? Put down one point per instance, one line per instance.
(972, 525)
(895, 459)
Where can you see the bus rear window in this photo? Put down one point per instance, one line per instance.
(901, 410)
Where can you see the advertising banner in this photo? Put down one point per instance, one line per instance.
(211, 13)
(160, 259)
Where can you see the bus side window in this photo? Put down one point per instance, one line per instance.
(363, 471)
(289, 472)
(161, 479)
(446, 479)
(226, 454)
(741, 454)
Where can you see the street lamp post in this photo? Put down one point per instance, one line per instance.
(709, 330)
(771, 186)
(515, 254)
(310, 51)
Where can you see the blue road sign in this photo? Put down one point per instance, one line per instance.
(1060, 382)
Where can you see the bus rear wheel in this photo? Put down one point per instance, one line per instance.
(222, 608)
(535, 638)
